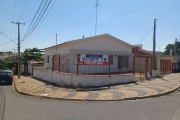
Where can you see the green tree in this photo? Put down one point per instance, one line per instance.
(7, 63)
(11, 58)
(32, 54)
(171, 46)
(2, 64)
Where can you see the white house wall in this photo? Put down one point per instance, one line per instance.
(101, 44)
(29, 68)
(63, 49)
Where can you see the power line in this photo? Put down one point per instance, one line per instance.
(40, 23)
(145, 36)
(8, 37)
(148, 43)
(13, 17)
(87, 22)
(14, 9)
(23, 10)
(34, 18)
(5, 43)
(38, 20)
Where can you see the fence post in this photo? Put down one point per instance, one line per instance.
(59, 64)
(53, 63)
(163, 66)
(109, 65)
(77, 65)
(134, 64)
(170, 66)
(151, 64)
(146, 67)
(140, 68)
(68, 65)
(160, 68)
(167, 66)
(77, 69)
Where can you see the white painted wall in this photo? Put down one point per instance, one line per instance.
(22, 68)
(101, 44)
(62, 49)
(47, 65)
(67, 79)
(155, 73)
(29, 68)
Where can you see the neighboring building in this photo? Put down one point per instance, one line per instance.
(27, 69)
(137, 50)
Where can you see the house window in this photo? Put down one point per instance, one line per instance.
(111, 59)
(123, 61)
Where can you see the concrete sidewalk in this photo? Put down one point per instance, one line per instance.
(143, 89)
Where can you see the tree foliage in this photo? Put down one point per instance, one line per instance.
(171, 46)
(32, 54)
(7, 63)
(2, 64)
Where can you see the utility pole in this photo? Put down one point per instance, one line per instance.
(154, 43)
(18, 23)
(14, 59)
(175, 49)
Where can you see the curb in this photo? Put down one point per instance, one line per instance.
(121, 99)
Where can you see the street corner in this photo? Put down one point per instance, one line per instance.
(153, 88)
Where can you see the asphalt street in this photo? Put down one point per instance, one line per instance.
(15, 106)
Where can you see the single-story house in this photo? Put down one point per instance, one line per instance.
(119, 52)
(93, 61)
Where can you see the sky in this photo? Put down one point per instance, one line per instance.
(129, 20)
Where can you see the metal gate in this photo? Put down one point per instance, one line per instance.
(56, 62)
(165, 67)
(143, 66)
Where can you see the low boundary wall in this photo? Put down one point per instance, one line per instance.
(73, 80)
